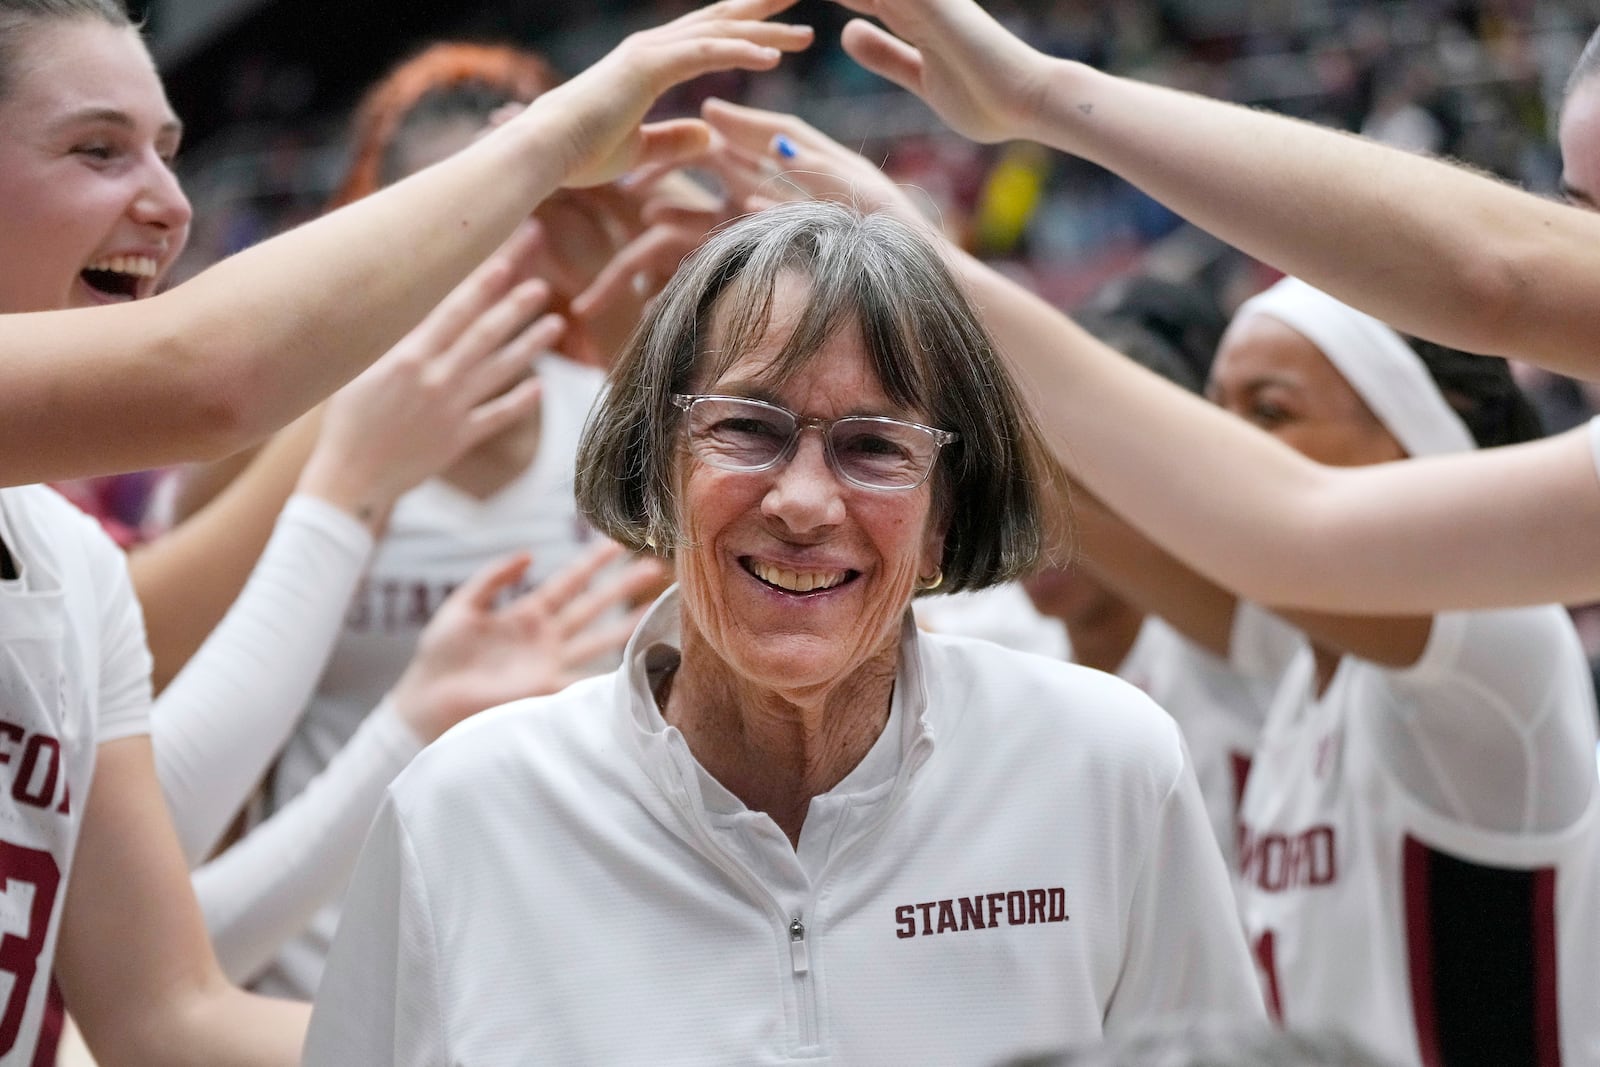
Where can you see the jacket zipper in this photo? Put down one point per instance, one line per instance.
(794, 925)
(799, 953)
(805, 993)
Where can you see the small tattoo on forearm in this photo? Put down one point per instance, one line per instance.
(1087, 109)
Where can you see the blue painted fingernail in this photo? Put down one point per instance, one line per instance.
(786, 148)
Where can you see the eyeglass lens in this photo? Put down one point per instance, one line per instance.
(748, 435)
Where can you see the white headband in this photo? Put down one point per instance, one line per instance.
(1385, 372)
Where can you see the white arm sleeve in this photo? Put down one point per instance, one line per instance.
(264, 889)
(1185, 953)
(223, 719)
(380, 1000)
(1497, 728)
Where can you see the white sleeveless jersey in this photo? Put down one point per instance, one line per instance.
(1219, 709)
(1434, 941)
(437, 538)
(74, 672)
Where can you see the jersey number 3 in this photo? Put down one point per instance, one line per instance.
(19, 953)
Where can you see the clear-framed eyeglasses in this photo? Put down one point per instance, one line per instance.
(735, 433)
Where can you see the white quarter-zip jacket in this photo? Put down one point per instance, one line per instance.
(1021, 864)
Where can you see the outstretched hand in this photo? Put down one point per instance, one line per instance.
(460, 377)
(805, 162)
(475, 654)
(978, 77)
(760, 158)
(672, 227)
(601, 109)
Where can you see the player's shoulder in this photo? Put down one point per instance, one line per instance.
(1051, 704)
(1532, 641)
(48, 514)
(50, 530)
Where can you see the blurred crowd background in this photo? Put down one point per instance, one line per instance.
(265, 87)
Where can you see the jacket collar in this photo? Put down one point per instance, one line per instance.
(662, 749)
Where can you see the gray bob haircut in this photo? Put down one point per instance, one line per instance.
(924, 340)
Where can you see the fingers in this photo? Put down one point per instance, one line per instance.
(678, 188)
(757, 10)
(608, 101)
(749, 176)
(885, 55)
(744, 18)
(486, 284)
(727, 45)
(571, 600)
(501, 413)
(750, 128)
(641, 180)
(738, 171)
(511, 363)
(479, 591)
(813, 164)
(604, 640)
(681, 218)
(589, 630)
(779, 36)
(495, 327)
(654, 256)
(664, 145)
(560, 588)
(622, 588)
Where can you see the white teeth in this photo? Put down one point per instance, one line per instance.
(796, 581)
(138, 266)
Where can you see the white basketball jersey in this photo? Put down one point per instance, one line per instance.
(74, 671)
(1433, 941)
(438, 537)
(1219, 709)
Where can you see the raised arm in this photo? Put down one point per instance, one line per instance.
(457, 379)
(189, 576)
(1509, 526)
(1432, 248)
(150, 991)
(132, 955)
(473, 655)
(243, 348)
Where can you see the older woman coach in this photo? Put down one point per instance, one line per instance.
(791, 826)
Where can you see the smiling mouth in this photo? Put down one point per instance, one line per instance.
(119, 276)
(801, 582)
